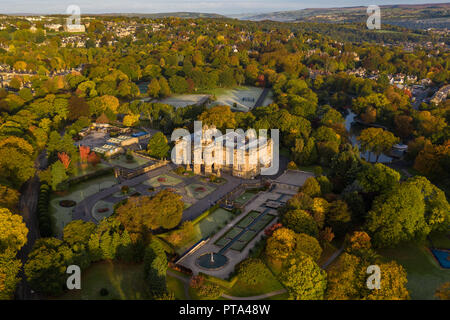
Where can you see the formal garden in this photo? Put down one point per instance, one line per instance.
(203, 227)
(163, 180)
(102, 209)
(129, 161)
(198, 191)
(245, 197)
(61, 210)
(238, 237)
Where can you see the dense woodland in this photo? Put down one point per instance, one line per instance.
(368, 205)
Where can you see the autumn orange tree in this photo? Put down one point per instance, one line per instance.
(65, 159)
(84, 152)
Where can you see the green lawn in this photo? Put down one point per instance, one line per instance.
(424, 273)
(129, 164)
(198, 191)
(245, 197)
(242, 289)
(163, 179)
(207, 227)
(123, 282)
(177, 287)
(441, 240)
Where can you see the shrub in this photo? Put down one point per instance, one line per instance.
(197, 282)
(210, 291)
(104, 292)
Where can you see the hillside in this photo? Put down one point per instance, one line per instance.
(411, 16)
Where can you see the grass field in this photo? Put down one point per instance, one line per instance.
(198, 191)
(268, 284)
(176, 286)
(123, 282)
(102, 205)
(239, 98)
(423, 272)
(245, 197)
(121, 161)
(184, 100)
(163, 179)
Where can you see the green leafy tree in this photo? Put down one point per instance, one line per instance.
(300, 221)
(378, 178)
(252, 271)
(377, 140)
(158, 146)
(304, 279)
(46, 266)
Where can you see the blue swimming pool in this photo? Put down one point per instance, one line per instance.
(443, 256)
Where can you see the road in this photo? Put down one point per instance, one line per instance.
(27, 208)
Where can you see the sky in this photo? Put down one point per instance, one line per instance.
(225, 7)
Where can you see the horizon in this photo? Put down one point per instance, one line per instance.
(233, 7)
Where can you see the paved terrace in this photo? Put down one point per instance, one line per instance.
(234, 257)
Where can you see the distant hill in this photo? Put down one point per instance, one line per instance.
(184, 15)
(413, 16)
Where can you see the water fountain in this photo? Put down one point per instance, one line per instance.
(212, 261)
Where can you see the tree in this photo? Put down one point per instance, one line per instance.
(304, 279)
(219, 116)
(252, 271)
(154, 88)
(130, 120)
(300, 221)
(309, 245)
(281, 244)
(165, 89)
(9, 270)
(397, 216)
(93, 159)
(46, 266)
(78, 232)
(110, 241)
(392, 283)
(9, 198)
(155, 268)
(84, 152)
(65, 159)
(58, 173)
(141, 214)
(13, 231)
(443, 292)
(339, 216)
(377, 140)
(377, 178)
(15, 166)
(169, 208)
(343, 278)
(78, 107)
(311, 187)
(158, 146)
(359, 240)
